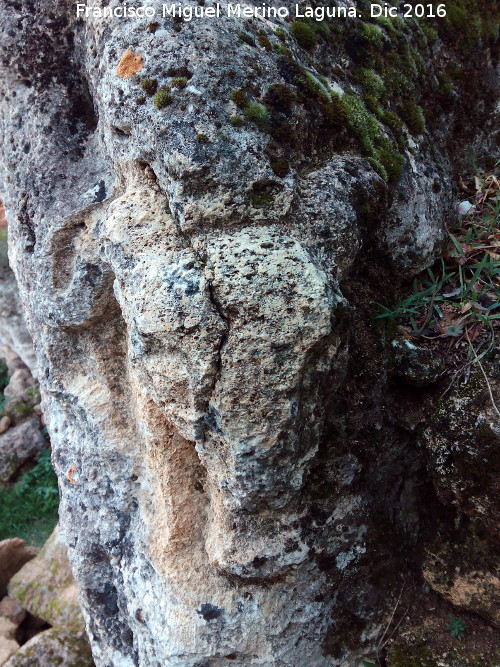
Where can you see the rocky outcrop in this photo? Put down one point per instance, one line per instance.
(462, 441)
(18, 446)
(53, 647)
(8, 644)
(15, 341)
(44, 592)
(188, 267)
(13, 555)
(45, 587)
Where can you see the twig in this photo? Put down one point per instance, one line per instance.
(477, 360)
(381, 645)
(395, 629)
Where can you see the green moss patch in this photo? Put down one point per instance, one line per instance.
(304, 34)
(162, 98)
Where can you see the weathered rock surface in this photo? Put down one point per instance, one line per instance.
(45, 586)
(13, 555)
(7, 648)
(463, 440)
(4, 423)
(18, 446)
(227, 497)
(466, 574)
(20, 380)
(52, 647)
(12, 610)
(13, 332)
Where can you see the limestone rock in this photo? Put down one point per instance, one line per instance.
(4, 423)
(19, 445)
(7, 628)
(45, 586)
(227, 496)
(466, 575)
(13, 555)
(415, 365)
(14, 335)
(12, 610)
(56, 646)
(19, 381)
(7, 648)
(462, 440)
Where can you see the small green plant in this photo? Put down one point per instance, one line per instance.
(313, 87)
(237, 121)
(248, 39)
(149, 86)
(373, 34)
(414, 118)
(456, 627)
(240, 98)
(379, 168)
(392, 161)
(334, 111)
(179, 82)
(372, 83)
(258, 114)
(304, 34)
(261, 199)
(202, 138)
(281, 34)
(162, 98)
(280, 166)
(264, 41)
(280, 96)
(393, 122)
(29, 508)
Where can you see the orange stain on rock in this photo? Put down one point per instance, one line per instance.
(130, 63)
(69, 474)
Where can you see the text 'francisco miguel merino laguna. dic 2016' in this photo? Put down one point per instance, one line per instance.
(236, 10)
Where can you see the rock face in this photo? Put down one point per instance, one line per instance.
(13, 555)
(181, 276)
(45, 586)
(14, 337)
(18, 446)
(463, 440)
(55, 646)
(8, 645)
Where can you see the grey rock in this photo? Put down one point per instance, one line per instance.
(12, 610)
(4, 423)
(7, 648)
(45, 586)
(56, 646)
(19, 445)
(19, 381)
(13, 332)
(13, 555)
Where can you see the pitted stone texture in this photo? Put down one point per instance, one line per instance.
(56, 646)
(13, 555)
(191, 334)
(18, 446)
(13, 332)
(45, 586)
